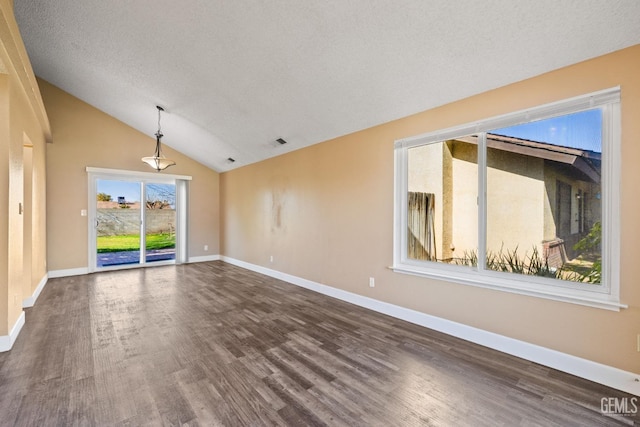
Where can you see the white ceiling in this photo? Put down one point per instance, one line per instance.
(236, 75)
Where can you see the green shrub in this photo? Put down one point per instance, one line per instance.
(103, 197)
(590, 244)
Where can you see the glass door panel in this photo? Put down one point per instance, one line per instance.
(117, 222)
(160, 222)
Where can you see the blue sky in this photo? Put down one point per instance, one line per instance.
(579, 130)
(131, 190)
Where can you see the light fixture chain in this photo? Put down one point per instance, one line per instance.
(158, 161)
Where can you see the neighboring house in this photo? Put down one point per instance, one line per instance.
(554, 193)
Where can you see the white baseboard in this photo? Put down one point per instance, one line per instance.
(587, 369)
(6, 341)
(30, 301)
(69, 272)
(204, 258)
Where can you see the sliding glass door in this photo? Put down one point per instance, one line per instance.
(135, 220)
(160, 222)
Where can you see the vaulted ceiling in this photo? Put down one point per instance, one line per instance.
(235, 75)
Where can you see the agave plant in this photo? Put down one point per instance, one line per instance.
(533, 264)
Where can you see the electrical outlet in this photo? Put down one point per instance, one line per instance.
(206, 247)
(372, 282)
(638, 343)
(271, 258)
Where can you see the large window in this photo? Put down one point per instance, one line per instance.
(525, 202)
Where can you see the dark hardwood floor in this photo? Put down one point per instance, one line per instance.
(212, 344)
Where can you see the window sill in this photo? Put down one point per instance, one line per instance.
(489, 281)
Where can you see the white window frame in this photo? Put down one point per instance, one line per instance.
(182, 204)
(607, 294)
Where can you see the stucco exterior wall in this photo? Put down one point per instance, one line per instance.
(426, 168)
(515, 197)
(464, 199)
(515, 202)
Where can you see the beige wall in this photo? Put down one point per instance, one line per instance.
(16, 197)
(4, 202)
(84, 136)
(22, 121)
(325, 213)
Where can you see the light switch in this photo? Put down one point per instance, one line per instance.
(83, 212)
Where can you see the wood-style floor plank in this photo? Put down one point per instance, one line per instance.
(211, 344)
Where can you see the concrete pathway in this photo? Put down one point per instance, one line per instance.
(108, 259)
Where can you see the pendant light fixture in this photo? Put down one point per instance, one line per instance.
(158, 161)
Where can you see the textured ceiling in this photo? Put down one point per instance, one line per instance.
(236, 75)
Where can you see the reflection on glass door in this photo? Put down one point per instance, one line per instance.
(160, 222)
(118, 222)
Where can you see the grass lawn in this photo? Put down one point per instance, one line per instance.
(131, 242)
